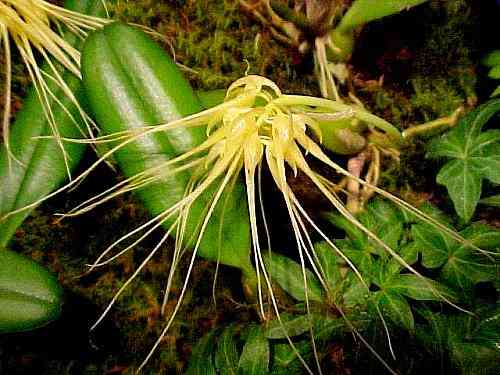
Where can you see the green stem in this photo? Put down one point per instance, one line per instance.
(291, 100)
(440, 124)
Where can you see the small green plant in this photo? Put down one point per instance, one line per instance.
(249, 348)
(473, 155)
(492, 61)
(404, 301)
(469, 342)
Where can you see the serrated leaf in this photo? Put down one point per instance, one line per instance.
(254, 359)
(289, 275)
(494, 201)
(226, 356)
(396, 308)
(474, 155)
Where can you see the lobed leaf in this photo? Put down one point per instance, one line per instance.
(474, 155)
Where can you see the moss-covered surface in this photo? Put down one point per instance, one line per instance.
(427, 58)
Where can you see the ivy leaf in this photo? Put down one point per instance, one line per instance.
(474, 156)
(462, 266)
(434, 245)
(288, 274)
(254, 359)
(418, 288)
(396, 308)
(471, 342)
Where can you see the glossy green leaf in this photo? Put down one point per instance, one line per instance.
(226, 356)
(121, 58)
(364, 11)
(254, 359)
(409, 253)
(474, 156)
(40, 166)
(356, 293)
(289, 276)
(30, 296)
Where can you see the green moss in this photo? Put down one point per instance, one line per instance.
(435, 98)
(444, 68)
(218, 46)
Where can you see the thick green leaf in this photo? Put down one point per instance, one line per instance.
(30, 296)
(396, 308)
(226, 356)
(41, 164)
(122, 59)
(474, 156)
(364, 11)
(494, 200)
(201, 361)
(254, 359)
(289, 275)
